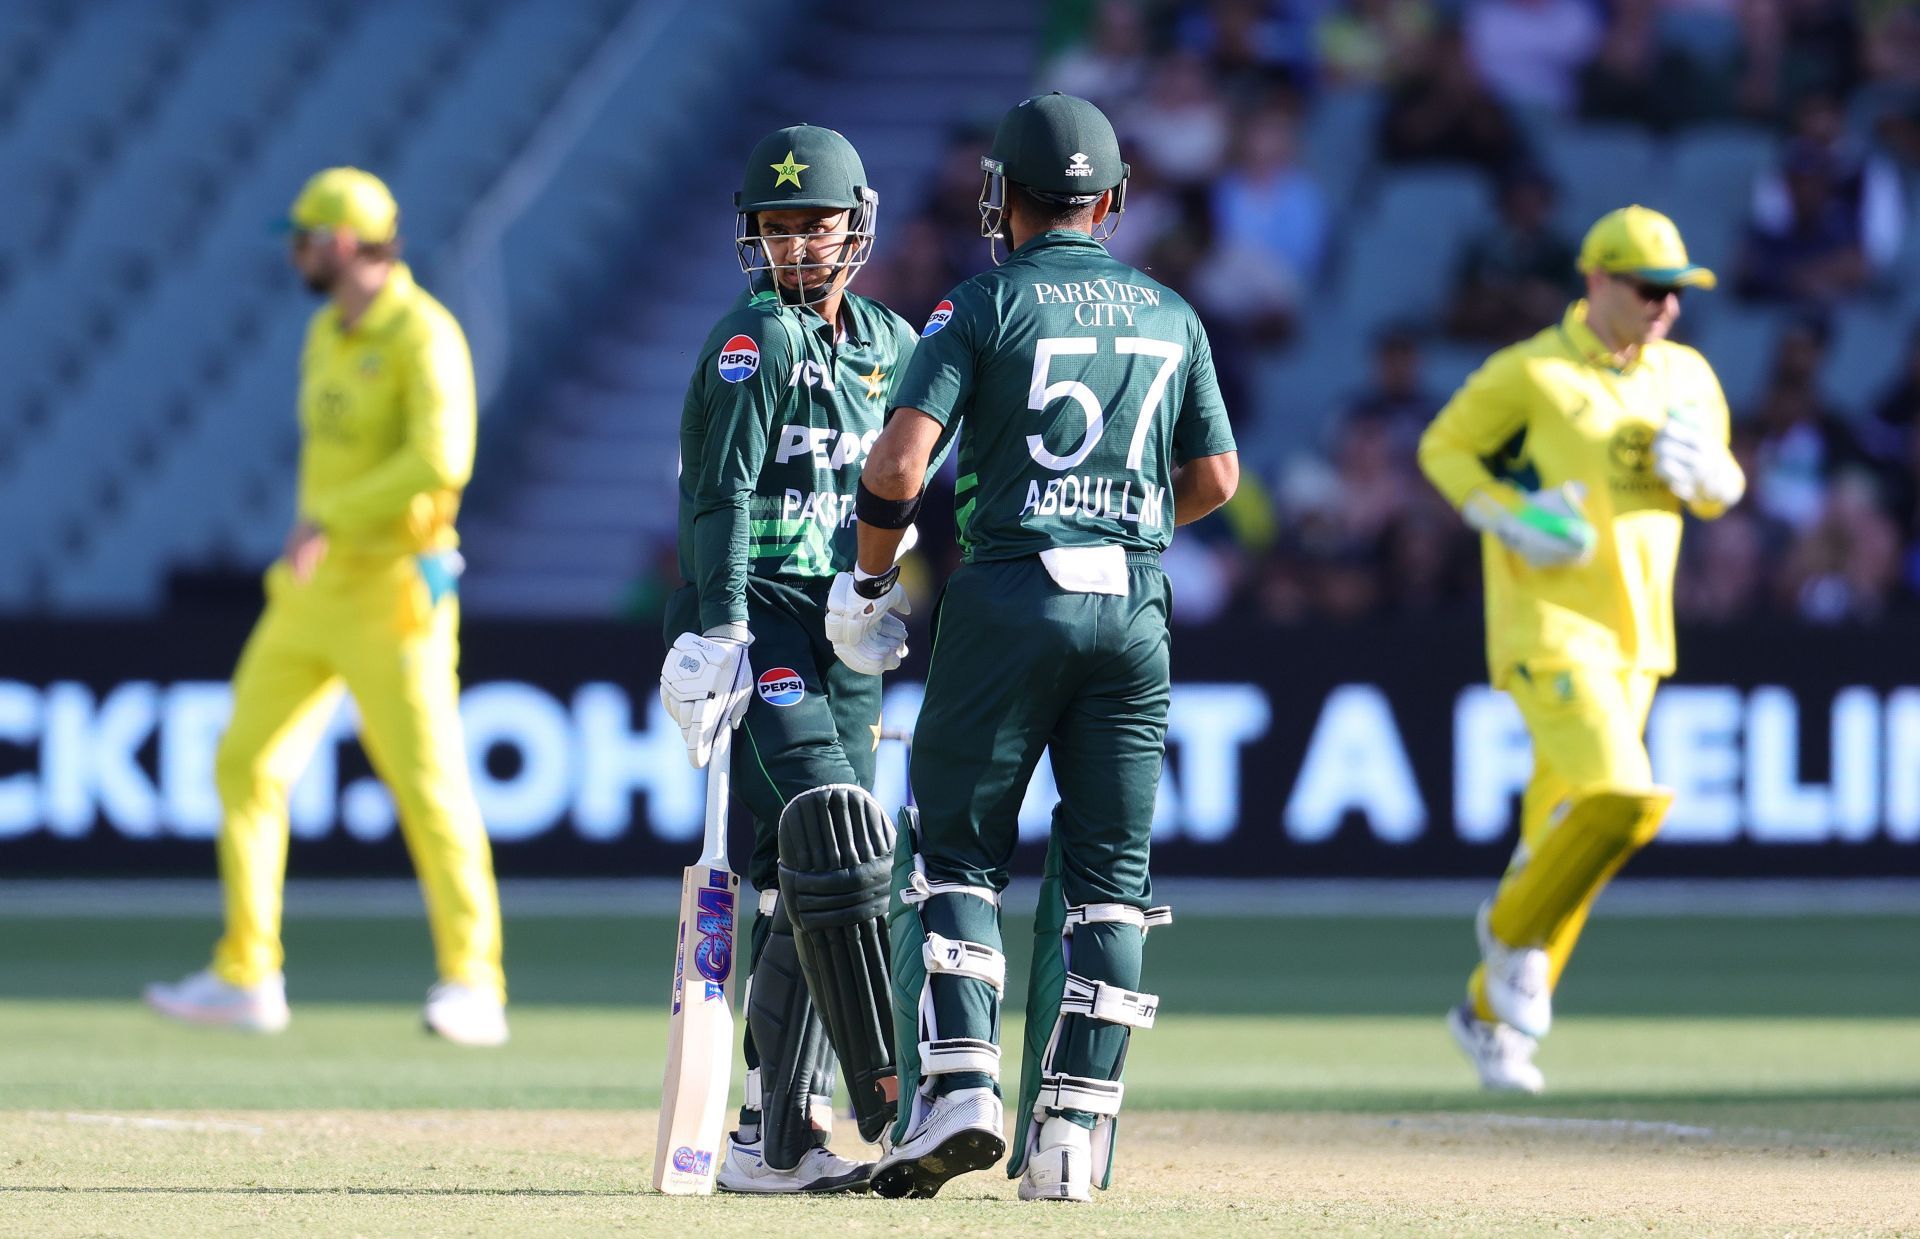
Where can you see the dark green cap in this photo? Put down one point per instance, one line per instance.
(1058, 144)
(802, 166)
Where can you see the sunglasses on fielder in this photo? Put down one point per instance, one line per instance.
(1648, 291)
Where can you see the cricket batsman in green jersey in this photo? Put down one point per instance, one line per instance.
(1093, 424)
(786, 399)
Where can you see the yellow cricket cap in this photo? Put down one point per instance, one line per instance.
(347, 199)
(1637, 240)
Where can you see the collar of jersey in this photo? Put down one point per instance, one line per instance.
(386, 303)
(1587, 346)
(1056, 236)
(762, 292)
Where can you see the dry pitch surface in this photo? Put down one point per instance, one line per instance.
(1194, 1174)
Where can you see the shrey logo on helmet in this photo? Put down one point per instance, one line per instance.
(739, 359)
(1078, 165)
(937, 319)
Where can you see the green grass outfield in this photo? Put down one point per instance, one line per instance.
(1733, 1054)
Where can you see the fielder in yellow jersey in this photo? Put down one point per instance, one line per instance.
(1575, 453)
(362, 599)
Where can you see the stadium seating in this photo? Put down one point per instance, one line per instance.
(565, 173)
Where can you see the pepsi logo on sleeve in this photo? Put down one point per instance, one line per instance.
(938, 319)
(739, 359)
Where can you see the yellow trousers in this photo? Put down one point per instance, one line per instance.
(1588, 727)
(368, 626)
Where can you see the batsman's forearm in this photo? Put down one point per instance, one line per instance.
(878, 548)
(720, 565)
(1201, 486)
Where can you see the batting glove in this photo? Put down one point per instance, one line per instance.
(705, 684)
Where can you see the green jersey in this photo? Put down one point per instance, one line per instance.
(1081, 383)
(778, 416)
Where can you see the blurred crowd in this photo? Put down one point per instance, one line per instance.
(1211, 99)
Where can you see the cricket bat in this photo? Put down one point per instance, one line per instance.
(693, 1099)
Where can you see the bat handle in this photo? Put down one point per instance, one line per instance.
(719, 770)
(905, 736)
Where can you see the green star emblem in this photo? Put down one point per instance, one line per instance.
(788, 171)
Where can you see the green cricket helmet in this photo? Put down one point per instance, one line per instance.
(805, 167)
(1060, 149)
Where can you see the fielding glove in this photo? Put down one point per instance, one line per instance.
(1548, 528)
(1696, 467)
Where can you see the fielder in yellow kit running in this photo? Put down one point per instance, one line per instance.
(1575, 454)
(361, 599)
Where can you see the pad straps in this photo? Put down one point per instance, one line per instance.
(1059, 1091)
(951, 957)
(1110, 1003)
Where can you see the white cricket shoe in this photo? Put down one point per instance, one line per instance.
(819, 1171)
(1503, 1056)
(1518, 985)
(465, 1015)
(961, 1132)
(204, 998)
(1060, 1165)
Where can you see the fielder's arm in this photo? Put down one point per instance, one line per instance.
(1547, 529)
(437, 452)
(1482, 418)
(896, 469)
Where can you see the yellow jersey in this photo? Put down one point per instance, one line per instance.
(386, 423)
(1553, 409)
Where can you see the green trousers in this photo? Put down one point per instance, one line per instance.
(1021, 666)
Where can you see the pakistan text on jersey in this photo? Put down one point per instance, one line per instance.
(1090, 498)
(823, 506)
(1097, 303)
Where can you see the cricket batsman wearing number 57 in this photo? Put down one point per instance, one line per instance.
(362, 598)
(1575, 454)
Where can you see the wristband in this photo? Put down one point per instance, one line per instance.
(873, 587)
(885, 513)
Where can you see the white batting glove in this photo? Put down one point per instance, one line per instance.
(852, 615)
(1695, 467)
(1548, 528)
(705, 685)
(882, 649)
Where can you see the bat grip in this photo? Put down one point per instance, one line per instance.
(719, 771)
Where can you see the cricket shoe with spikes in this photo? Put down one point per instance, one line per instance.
(1502, 1055)
(1061, 1164)
(1518, 986)
(204, 998)
(961, 1132)
(820, 1172)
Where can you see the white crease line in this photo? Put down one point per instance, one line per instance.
(1539, 1122)
(151, 1124)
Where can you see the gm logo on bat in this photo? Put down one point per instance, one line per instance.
(692, 1161)
(713, 954)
